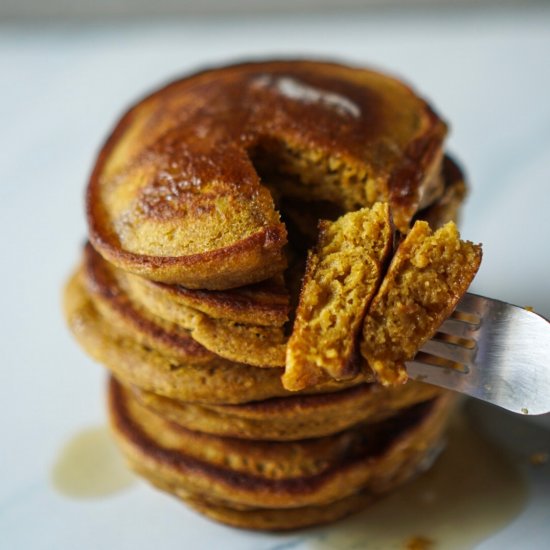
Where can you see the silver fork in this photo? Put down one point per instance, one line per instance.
(503, 355)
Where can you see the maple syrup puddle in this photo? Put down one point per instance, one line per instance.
(472, 491)
(90, 466)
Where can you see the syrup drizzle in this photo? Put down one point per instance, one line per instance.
(90, 466)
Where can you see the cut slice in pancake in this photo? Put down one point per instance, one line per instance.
(271, 475)
(217, 381)
(293, 417)
(428, 275)
(175, 194)
(341, 277)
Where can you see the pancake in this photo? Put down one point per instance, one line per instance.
(259, 474)
(104, 288)
(447, 207)
(342, 276)
(176, 194)
(293, 417)
(218, 381)
(194, 337)
(253, 345)
(282, 519)
(263, 304)
(427, 276)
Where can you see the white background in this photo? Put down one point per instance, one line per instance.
(62, 86)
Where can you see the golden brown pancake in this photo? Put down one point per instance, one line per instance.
(194, 337)
(342, 276)
(263, 304)
(446, 208)
(292, 417)
(247, 475)
(428, 275)
(218, 381)
(103, 284)
(175, 194)
(272, 519)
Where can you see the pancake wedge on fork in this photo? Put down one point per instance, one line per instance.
(428, 275)
(342, 276)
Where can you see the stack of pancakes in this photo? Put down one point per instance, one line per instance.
(202, 206)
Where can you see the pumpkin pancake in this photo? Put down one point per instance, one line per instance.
(272, 475)
(193, 333)
(447, 206)
(216, 381)
(104, 288)
(281, 519)
(293, 417)
(263, 304)
(175, 194)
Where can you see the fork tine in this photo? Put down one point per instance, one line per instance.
(449, 351)
(445, 377)
(473, 304)
(460, 329)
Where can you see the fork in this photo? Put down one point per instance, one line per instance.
(493, 351)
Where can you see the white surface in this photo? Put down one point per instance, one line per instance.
(63, 87)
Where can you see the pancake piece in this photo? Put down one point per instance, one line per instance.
(428, 275)
(218, 381)
(294, 417)
(341, 277)
(253, 345)
(176, 194)
(244, 475)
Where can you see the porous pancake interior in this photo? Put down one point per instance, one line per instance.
(341, 277)
(427, 276)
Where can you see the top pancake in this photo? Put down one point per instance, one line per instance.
(176, 195)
